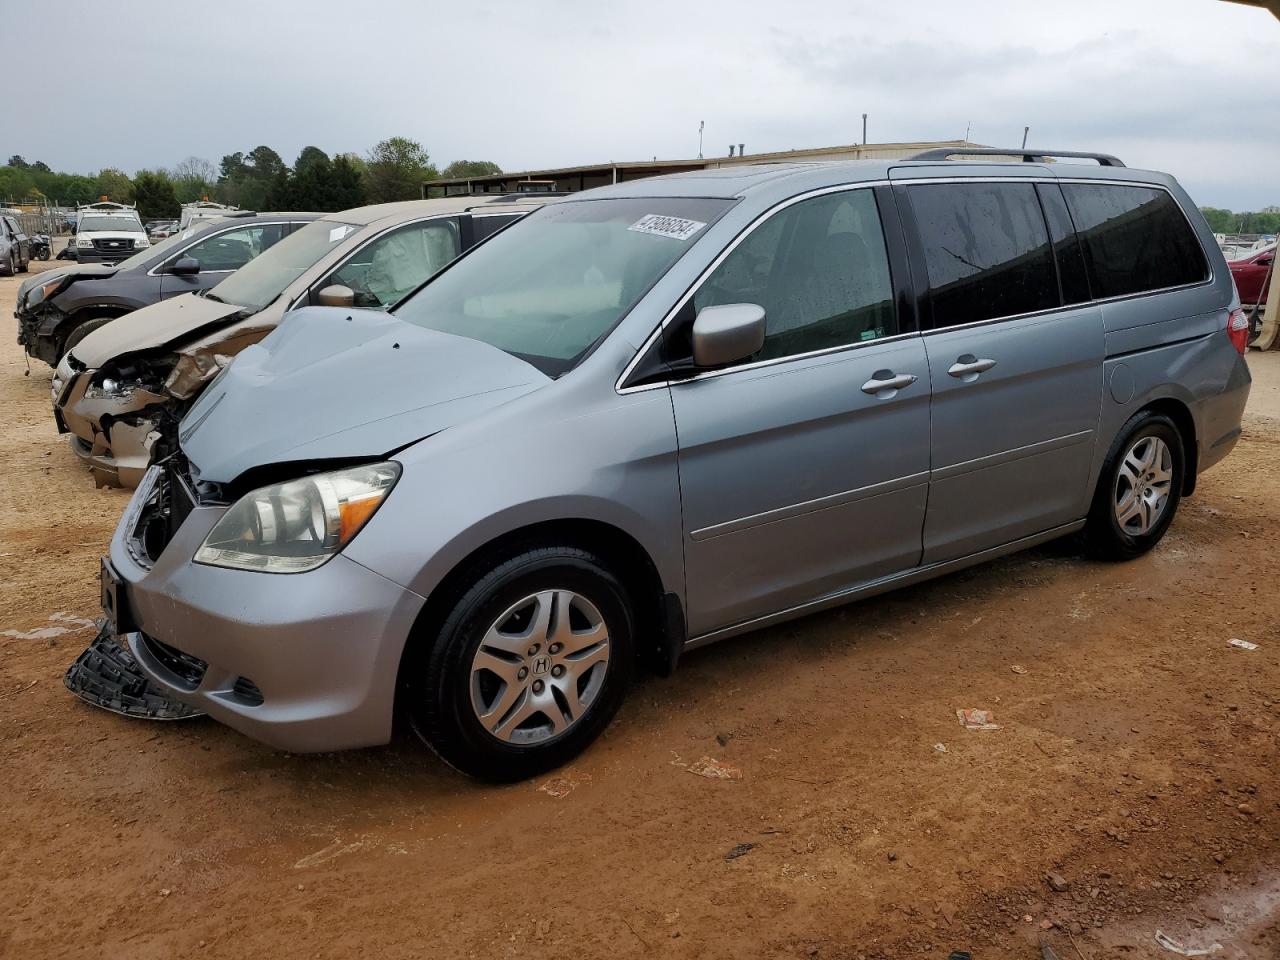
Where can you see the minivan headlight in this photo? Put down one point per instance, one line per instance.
(296, 526)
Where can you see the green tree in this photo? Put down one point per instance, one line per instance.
(154, 195)
(470, 168)
(396, 169)
(114, 184)
(17, 162)
(1220, 221)
(348, 184)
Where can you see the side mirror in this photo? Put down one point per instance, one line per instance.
(727, 333)
(336, 295)
(185, 266)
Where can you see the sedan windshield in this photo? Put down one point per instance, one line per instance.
(117, 224)
(548, 288)
(264, 278)
(149, 253)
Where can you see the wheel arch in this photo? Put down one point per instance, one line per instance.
(1177, 411)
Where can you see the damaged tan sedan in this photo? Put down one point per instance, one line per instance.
(123, 389)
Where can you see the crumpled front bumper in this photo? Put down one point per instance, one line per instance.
(111, 434)
(320, 651)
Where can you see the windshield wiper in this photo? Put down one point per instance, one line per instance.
(214, 297)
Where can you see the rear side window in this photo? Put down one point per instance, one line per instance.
(1135, 239)
(986, 251)
(819, 269)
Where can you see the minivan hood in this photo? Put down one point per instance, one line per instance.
(333, 383)
(152, 328)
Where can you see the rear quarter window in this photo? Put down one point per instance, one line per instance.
(1135, 239)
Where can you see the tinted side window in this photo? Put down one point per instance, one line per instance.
(1066, 247)
(1135, 239)
(986, 251)
(487, 226)
(820, 270)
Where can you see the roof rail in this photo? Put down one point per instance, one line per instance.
(1028, 156)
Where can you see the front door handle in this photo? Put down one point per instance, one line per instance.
(967, 367)
(885, 384)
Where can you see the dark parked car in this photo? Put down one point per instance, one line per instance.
(59, 308)
(15, 248)
(1252, 274)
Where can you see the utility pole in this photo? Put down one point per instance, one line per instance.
(864, 129)
(1025, 131)
(701, 124)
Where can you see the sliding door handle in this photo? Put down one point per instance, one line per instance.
(967, 367)
(885, 383)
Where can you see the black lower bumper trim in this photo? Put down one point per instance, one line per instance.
(107, 676)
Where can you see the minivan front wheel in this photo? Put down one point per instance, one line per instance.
(529, 667)
(1139, 489)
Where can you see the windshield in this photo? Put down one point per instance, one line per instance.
(119, 224)
(548, 288)
(148, 253)
(264, 278)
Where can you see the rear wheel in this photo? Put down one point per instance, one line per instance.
(528, 668)
(11, 266)
(1139, 489)
(24, 265)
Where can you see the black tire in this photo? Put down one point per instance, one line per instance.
(82, 331)
(10, 266)
(1104, 536)
(24, 265)
(436, 677)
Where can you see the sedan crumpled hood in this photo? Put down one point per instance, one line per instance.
(155, 326)
(333, 383)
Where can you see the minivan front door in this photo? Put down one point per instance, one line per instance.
(803, 470)
(1017, 376)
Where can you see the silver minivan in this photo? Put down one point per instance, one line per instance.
(664, 413)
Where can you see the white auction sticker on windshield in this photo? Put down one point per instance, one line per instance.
(677, 228)
(337, 233)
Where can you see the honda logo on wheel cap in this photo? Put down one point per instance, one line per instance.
(541, 665)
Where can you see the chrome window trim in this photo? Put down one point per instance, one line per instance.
(1034, 178)
(354, 250)
(217, 233)
(711, 267)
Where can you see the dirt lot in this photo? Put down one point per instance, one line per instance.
(1137, 759)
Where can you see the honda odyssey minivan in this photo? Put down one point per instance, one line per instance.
(664, 413)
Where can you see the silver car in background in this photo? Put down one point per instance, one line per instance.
(664, 413)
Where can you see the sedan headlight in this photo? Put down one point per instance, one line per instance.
(42, 292)
(109, 389)
(296, 526)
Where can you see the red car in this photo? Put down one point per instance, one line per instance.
(1253, 275)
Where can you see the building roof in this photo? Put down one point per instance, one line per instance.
(576, 177)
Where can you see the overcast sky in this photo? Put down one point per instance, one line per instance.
(1186, 86)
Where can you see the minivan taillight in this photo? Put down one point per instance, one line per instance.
(1238, 330)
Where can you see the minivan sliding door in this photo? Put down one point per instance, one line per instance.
(1017, 375)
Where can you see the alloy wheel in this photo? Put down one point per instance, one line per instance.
(539, 667)
(1143, 483)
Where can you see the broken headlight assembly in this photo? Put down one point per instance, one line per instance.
(42, 292)
(109, 388)
(296, 526)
